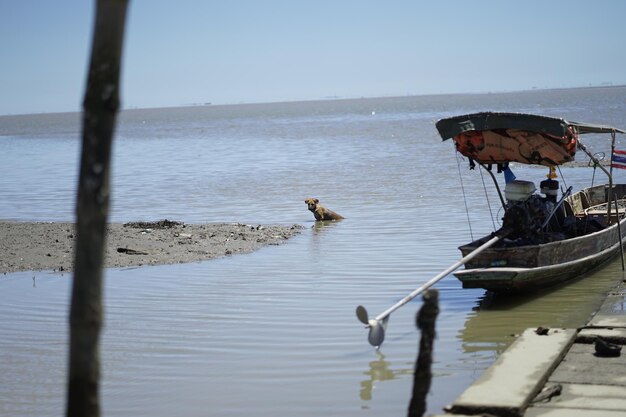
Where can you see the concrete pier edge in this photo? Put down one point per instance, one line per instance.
(564, 363)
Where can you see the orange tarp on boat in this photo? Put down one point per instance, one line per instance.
(492, 137)
(515, 145)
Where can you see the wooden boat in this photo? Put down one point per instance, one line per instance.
(544, 239)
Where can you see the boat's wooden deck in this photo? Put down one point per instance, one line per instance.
(600, 212)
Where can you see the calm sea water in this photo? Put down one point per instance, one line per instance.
(274, 332)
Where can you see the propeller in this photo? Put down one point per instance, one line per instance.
(378, 325)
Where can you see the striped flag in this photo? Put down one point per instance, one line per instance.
(618, 159)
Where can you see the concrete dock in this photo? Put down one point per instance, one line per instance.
(556, 372)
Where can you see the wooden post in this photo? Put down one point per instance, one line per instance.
(100, 109)
(425, 321)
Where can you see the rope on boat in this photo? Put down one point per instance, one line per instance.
(487, 198)
(469, 222)
(562, 177)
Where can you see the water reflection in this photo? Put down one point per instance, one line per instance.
(320, 226)
(379, 370)
(498, 318)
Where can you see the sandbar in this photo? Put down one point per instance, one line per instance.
(38, 246)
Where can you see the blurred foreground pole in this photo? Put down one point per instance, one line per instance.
(100, 108)
(425, 321)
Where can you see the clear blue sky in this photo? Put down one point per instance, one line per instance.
(229, 51)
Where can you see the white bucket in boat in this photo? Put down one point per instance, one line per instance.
(518, 190)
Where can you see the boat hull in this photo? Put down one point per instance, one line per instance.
(526, 268)
(517, 279)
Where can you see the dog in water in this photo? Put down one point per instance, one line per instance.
(320, 212)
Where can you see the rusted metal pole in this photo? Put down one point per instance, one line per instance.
(425, 321)
(100, 109)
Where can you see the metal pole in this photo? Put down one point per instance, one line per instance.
(563, 197)
(438, 277)
(495, 181)
(377, 325)
(619, 233)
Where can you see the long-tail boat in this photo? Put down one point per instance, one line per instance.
(545, 238)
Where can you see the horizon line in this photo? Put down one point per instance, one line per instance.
(327, 98)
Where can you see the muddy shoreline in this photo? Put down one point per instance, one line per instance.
(37, 246)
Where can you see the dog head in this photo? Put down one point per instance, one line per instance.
(311, 203)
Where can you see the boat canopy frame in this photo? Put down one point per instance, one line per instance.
(450, 127)
(503, 137)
